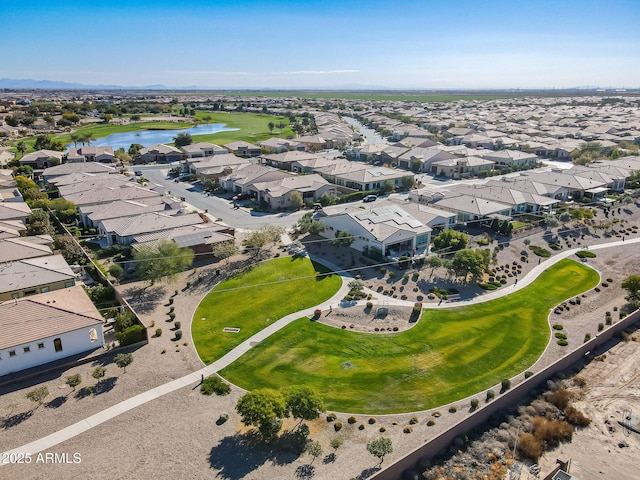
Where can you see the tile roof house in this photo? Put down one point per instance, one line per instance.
(202, 149)
(360, 176)
(41, 159)
(246, 175)
(90, 215)
(279, 145)
(473, 209)
(12, 249)
(383, 231)
(47, 327)
(160, 153)
(91, 154)
(511, 158)
(68, 168)
(35, 275)
(243, 149)
(102, 195)
(461, 167)
(14, 211)
(199, 238)
(123, 230)
(277, 193)
(12, 229)
(215, 166)
(285, 160)
(425, 157)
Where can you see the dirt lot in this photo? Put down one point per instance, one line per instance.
(176, 436)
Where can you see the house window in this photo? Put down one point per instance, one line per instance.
(30, 292)
(12, 353)
(26, 349)
(57, 343)
(44, 289)
(68, 284)
(40, 345)
(15, 295)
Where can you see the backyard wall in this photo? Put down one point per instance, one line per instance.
(505, 401)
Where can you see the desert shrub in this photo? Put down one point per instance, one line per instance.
(559, 398)
(158, 332)
(576, 417)
(361, 426)
(351, 419)
(562, 343)
(453, 409)
(557, 326)
(474, 404)
(407, 429)
(164, 350)
(431, 423)
(587, 337)
(337, 426)
(178, 325)
(383, 429)
(415, 275)
(413, 420)
(131, 335)
(505, 385)
(551, 432)
(561, 336)
(215, 385)
(610, 280)
(528, 374)
(172, 316)
(600, 327)
(579, 381)
(604, 284)
(170, 301)
(539, 251)
(178, 334)
(331, 417)
(369, 305)
(608, 321)
(585, 254)
(372, 420)
(490, 395)
(530, 446)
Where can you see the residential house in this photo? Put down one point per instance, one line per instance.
(35, 275)
(359, 176)
(243, 149)
(12, 249)
(5, 156)
(160, 153)
(277, 193)
(101, 195)
(202, 149)
(246, 175)
(315, 142)
(199, 238)
(384, 231)
(423, 158)
(461, 167)
(14, 211)
(471, 209)
(215, 166)
(280, 145)
(122, 230)
(90, 215)
(576, 187)
(68, 168)
(520, 202)
(512, 158)
(12, 229)
(286, 160)
(529, 185)
(47, 327)
(41, 159)
(91, 154)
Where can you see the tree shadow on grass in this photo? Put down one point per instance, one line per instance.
(145, 299)
(105, 385)
(16, 419)
(56, 402)
(237, 456)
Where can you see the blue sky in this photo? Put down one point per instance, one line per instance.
(324, 44)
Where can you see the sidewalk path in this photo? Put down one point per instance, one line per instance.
(71, 431)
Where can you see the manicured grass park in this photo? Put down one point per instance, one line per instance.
(252, 127)
(450, 354)
(253, 300)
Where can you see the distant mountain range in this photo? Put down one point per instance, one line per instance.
(30, 84)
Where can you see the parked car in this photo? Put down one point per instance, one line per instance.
(240, 196)
(138, 173)
(370, 198)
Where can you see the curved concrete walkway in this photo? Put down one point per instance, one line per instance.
(77, 428)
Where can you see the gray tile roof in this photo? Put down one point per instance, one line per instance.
(34, 272)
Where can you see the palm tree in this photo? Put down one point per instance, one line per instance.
(75, 138)
(21, 147)
(86, 137)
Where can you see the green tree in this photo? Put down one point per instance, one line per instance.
(307, 225)
(39, 223)
(450, 240)
(163, 260)
(182, 139)
(632, 285)
(70, 250)
(123, 360)
(386, 187)
(65, 210)
(380, 447)
(550, 221)
(271, 126)
(21, 147)
(343, 239)
(74, 380)
(38, 394)
(122, 155)
(99, 372)
(86, 138)
(116, 271)
(264, 409)
(262, 236)
(471, 262)
(224, 250)
(23, 183)
(408, 182)
(295, 198)
(303, 403)
(134, 150)
(24, 171)
(314, 449)
(416, 166)
(336, 443)
(434, 262)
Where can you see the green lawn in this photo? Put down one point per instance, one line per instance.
(448, 355)
(257, 298)
(253, 127)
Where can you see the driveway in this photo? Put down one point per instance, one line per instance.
(216, 206)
